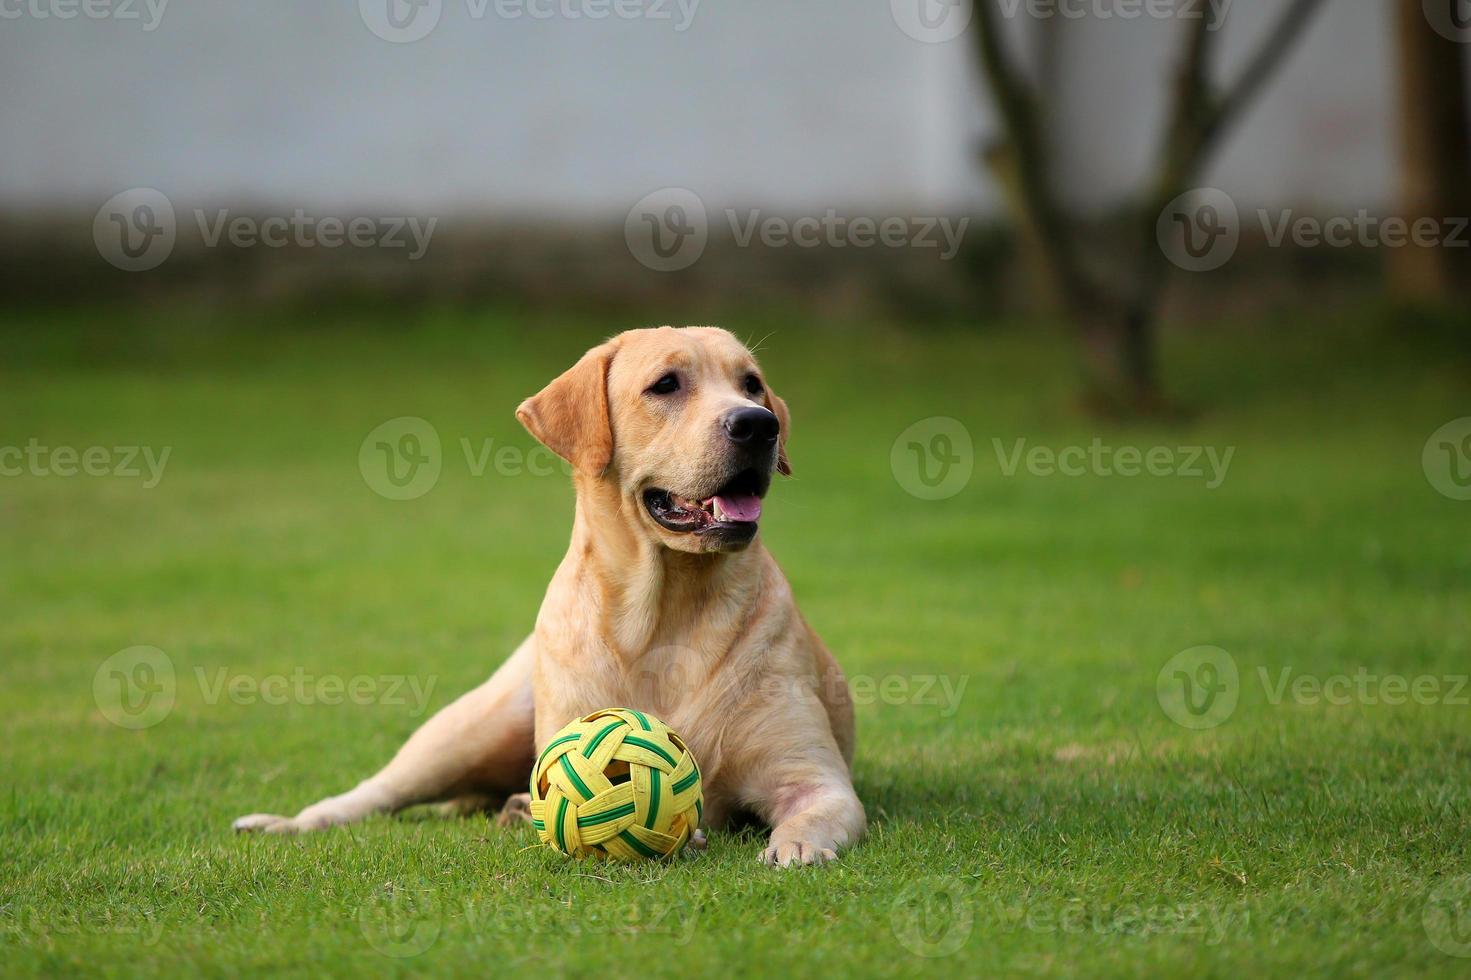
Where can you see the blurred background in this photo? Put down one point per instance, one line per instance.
(531, 134)
(1113, 331)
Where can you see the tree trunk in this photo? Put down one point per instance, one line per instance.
(1435, 153)
(1120, 371)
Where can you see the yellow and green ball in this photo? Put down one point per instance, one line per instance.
(616, 783)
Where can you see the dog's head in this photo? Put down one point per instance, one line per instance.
(680, 422)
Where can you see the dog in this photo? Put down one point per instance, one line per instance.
(666, 601)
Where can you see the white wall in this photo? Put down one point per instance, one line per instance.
(796, 104)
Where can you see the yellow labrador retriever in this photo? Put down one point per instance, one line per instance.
(666, 601)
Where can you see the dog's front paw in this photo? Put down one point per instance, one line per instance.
(790, 853)
(266, 823)
(318, 817)
(516, 811)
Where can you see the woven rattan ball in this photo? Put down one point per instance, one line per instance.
(616, 783)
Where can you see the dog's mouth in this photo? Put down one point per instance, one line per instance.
(731, 511)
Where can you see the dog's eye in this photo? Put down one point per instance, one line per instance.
(753, 385)
(666, 385)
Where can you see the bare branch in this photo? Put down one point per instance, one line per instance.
(1260, 69)
(1030, 163)
(1223, 110)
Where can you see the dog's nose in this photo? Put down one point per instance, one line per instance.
(748, 426)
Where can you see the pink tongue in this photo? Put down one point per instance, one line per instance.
(745, 507)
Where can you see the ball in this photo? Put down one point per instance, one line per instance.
(617, 783)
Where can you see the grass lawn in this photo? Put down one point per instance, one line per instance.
(1034, 808)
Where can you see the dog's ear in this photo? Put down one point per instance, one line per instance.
(570, 416)
(779, 409)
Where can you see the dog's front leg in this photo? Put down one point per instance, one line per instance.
(797, 780)
(481, 743)
(812, 822)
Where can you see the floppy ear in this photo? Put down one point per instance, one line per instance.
(779, 409)
(570, 416)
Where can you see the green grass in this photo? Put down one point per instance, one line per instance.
(1052, 820)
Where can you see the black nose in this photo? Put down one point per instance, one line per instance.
(747, 426)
